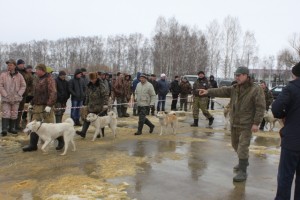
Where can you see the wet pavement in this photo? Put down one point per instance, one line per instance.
(194, 164)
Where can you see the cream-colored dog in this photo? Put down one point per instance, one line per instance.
(226, 112)
(269, 119)
(100, 122)
(165, 119)
(50, 131)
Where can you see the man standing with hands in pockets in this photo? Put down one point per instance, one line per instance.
(246, 112)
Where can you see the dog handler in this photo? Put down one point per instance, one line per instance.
(145, 98)
(42, 103)
(247, 109)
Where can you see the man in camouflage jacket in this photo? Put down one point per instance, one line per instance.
(246, 112)
(269, 100)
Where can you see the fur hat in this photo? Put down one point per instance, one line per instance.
(163, 75)
(296, 70)
(143, 75)
(12, 61)
(28, 67)
(41, 67)
(77, 71)
(93, 75)
(20, 61)
(83, 69)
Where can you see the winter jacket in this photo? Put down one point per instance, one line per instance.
(145, 94)
(186, 88)
(119, 87)
(200, 83)
(136, 81)
(63, 93)
(247, 105)
(163, 87)
(96, 97)
(127, 87)
(77, 89)
(29, 79)
(155, 85)
(45, 91)
(287, 106)
(175, 87)
(12, 87)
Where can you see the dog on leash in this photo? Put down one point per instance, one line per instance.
(165, 119)
(269, 119)
(50, 131)
(100, 122)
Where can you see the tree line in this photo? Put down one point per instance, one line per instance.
(174, 49)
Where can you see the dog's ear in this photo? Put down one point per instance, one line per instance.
(166, 112)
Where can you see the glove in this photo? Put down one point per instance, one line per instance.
(105, 107)
(47, 109)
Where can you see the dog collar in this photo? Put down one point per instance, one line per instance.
(39, 126)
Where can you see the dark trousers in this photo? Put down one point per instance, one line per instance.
(212, 103)
(142, 112)
(174, 101)
(161, 102)
(289, 164)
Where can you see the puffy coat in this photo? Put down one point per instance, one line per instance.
(247, 105)
(175, 87)
(186, 87)
(77, 89)
(145, 94)
(287, 105)
(163, 87)
(12, 87)
(63, 93)
(45, 92)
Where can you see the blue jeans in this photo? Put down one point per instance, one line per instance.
(162, 102)
(289, 165)
(75, 112)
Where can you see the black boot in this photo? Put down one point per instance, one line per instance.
(211, 121)
(134, 112)
(242, 173)
(140, 128)
(77, 122)
(84, 129)
(61, 143)
(5, 123)
(237, 167)
(195, 124)
(151, 126)
(58, 118)
(34, 138)
(262, 125)
(124, 112)
(212, 105)
(12, 125)
(119, 110)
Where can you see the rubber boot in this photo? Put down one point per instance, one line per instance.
(212, 105)
(12, 125)
(262, 125)
(5, 123)
(242, 173)
(124, 112)
(58, 118)
(84, 129)
(34, 138)
(140, 128)
(151, 126)
(237, 167)
(195, 124)
(134, 112)
(119, 110)
(77, 122)
(211, 121)
(61, 143)
(18, 126)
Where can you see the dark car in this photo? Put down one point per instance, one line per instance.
(277, 90)
(225, 83)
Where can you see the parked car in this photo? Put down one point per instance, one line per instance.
(277, 90)
(191, 78)
(225, 83)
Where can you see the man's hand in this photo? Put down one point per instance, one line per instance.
(47, 109)
(202, 92)
(254, 128)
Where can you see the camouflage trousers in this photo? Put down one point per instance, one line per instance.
(240, 141)
(39, 114)
(200, 103)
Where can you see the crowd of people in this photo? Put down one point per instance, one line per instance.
(96, 92)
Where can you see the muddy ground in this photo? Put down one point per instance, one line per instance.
(196, 163)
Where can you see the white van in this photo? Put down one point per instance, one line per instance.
(191, 78)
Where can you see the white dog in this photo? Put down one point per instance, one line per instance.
(226, 112)
(166, 119)
(100, 122)
(50, 131)
(269, 119)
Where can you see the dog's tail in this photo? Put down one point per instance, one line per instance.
(70, 121)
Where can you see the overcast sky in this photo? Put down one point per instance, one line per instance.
(272, 21)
